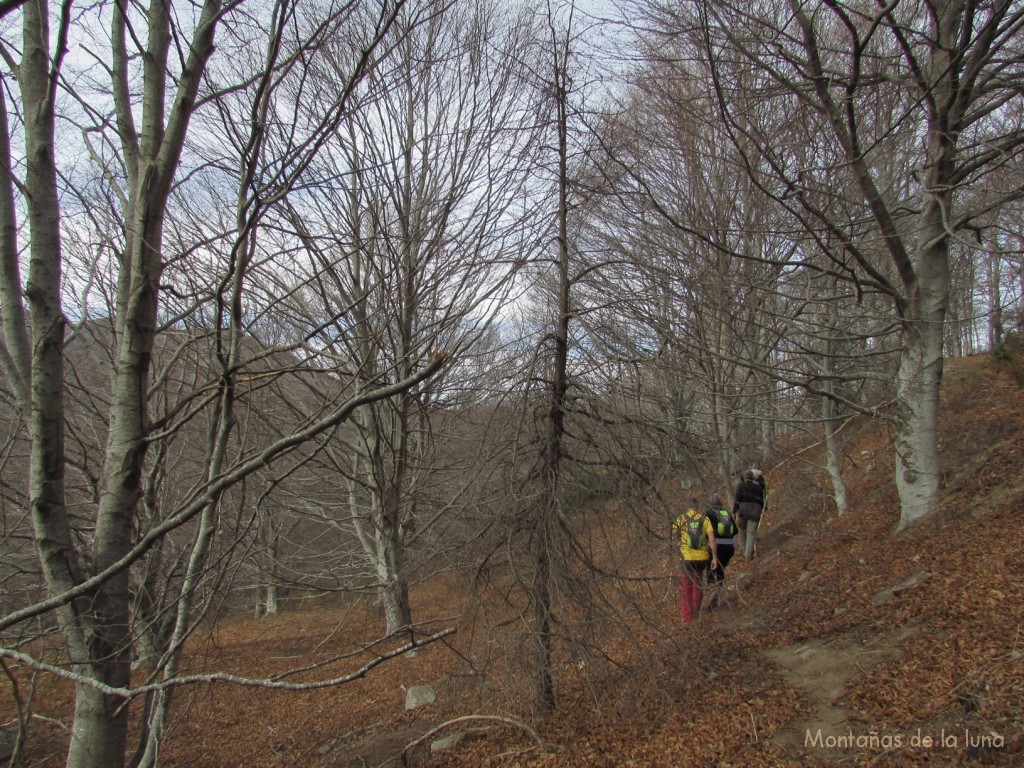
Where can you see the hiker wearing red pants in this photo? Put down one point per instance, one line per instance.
(699, 551)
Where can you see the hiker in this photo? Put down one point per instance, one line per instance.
(699, 552)
(725, 530)
(748, 501)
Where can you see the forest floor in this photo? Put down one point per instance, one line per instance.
(841, 644)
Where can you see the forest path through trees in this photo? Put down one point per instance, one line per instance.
(820, 670)
(819, 667)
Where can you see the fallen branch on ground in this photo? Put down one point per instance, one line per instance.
(411, 746)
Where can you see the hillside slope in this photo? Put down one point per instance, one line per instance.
(817, 661)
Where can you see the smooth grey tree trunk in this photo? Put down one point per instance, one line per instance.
(919, 383)
(833, 456)
(920, 258)
(995, 325)
(829, 407)
(381, 531)
(44, 383)
(100, 730)
(927, 285)
(395, 591)
(15, 347)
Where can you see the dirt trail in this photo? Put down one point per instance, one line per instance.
(820, 669)
(378, 747)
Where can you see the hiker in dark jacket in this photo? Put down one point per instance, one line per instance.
(748, 501)
(725, 531)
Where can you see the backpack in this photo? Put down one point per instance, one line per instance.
(761, 480)
(721, 519)
(694, 535)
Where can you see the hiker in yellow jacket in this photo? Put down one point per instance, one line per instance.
(699, 551)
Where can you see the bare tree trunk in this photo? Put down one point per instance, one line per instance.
(99, 731)
(927, 287)
(380, 531)
(271, 605)
(833, 459)
(925, 279)
(15, 347)
(96, 628)
(541, 596)
(995, 302)
(95, 726)
(548, 510)
(395, 587)
(221, 427)
(100, 728)
(714, 351)
(271, 590)
(833, 456)
(830, 406)
(919, 381)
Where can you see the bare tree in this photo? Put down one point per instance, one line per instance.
(701, 273)
(420, 224)
(564, 444)
(912, 108)
(88, 576)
